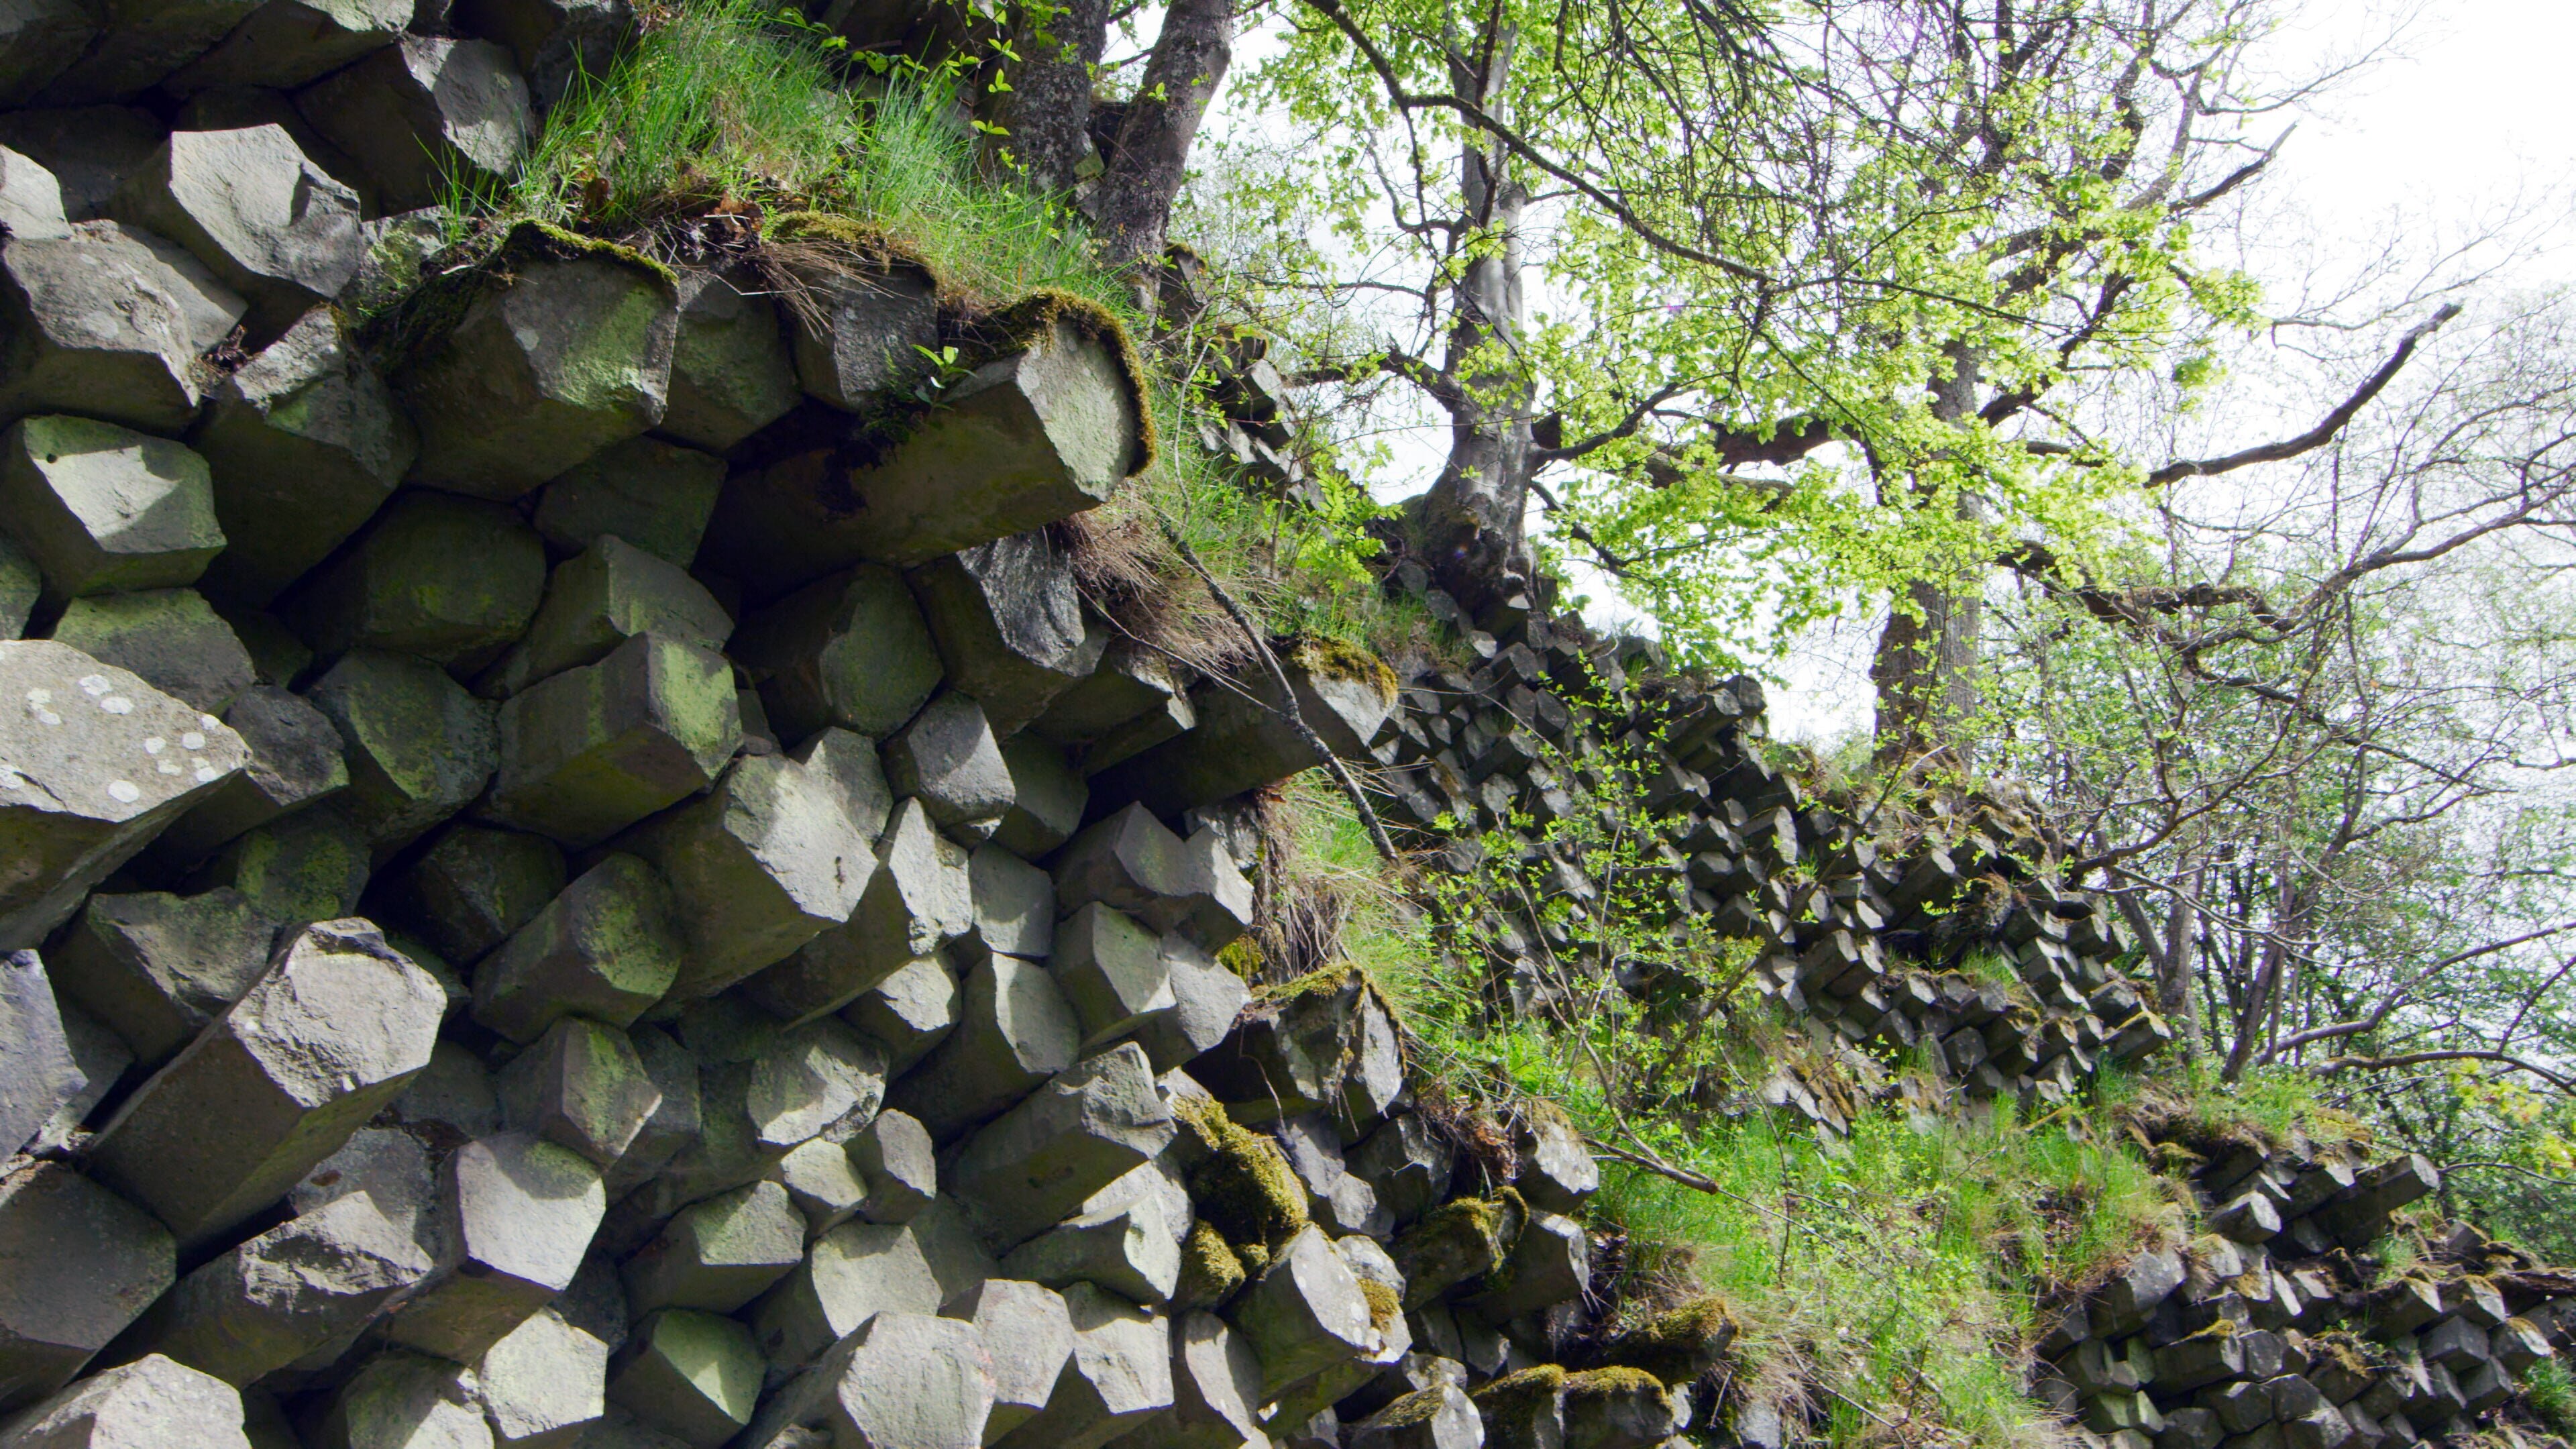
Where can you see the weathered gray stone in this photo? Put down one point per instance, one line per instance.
(619, 1429)
(98, 763)
(592, 750)
(1132, 680)
(821, 1079)
(1215, 899)
(1422, 1368)
(38, 1074)
(650, 494)
(109, 320)
(822, 1183)
(295, 759)
(1119, 1376)
(780, 852)
(1304, 1314)
(31, 199)
(264, 219)
(861, 340)
(99, 507)
(719, 1254)
(474, 887)
(1014, 907)
(1373, 1083)
(603, 599)
(1286, 1057)
(917, 900)
(328, 1036)
(1021, 443)
(1009, 625)
(1551, 1262)
(542, 1382)
(1028, 1333)
(88, 149)
(556, 42)
(280, 658)
(909, 1013)
(898, 1379)
(404, 1401)
(422, 111)
(168, 638)
(894, 1158)
(1128, 1249)
(948, 758)
(607, 948)
(157, 968)
(141, 1405)
(77, 1264)
(857, 1271)
(691, 1375)
(103, 1060)
(1240, 745)
(1206, 999)
(1408, 1162)
(271, 1300)
(1129, 861)
(1216, 1391)
(305, 444)
(22, 584)
(848, 650)
(2145, 1281)
(1038, 1162)
(446, 578)
(538, 374)
(1611, 1409)
(1113, 972)
(1439, 1417)
(141, 45)
(308, 866)
(1334, 1197)
(38, 42)
(1047, 799)
(514, 1217)
(287, 43)
(419, 746)
(674, 1124)
(1015, 1032)
(581, 1086)
(393, 1167)
(1557, 1172)
(730, 372)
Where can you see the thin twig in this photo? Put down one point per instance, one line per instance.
(1287, 707)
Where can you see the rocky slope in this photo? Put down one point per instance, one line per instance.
(581, 873)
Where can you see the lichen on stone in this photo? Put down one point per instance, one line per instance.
(1384, 1304)
(1029, 322)
(1516, 1392)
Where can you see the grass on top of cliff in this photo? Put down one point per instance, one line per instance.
(724, 104)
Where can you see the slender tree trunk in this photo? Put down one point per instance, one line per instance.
(1045, 114)
(1925, 668)
(1471, 522)
(2175, 967)
(1145, 166)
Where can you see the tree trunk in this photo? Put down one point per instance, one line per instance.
(1925, 668)
(1045, 114)
(1133, 207)
(1470, 523)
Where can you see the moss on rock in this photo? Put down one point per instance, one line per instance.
(1679, 1344)
(1211, 1271)
(1243, 1185)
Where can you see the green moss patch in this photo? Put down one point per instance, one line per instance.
(1244, 1188)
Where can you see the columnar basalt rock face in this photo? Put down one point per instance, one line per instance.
(549, 907)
